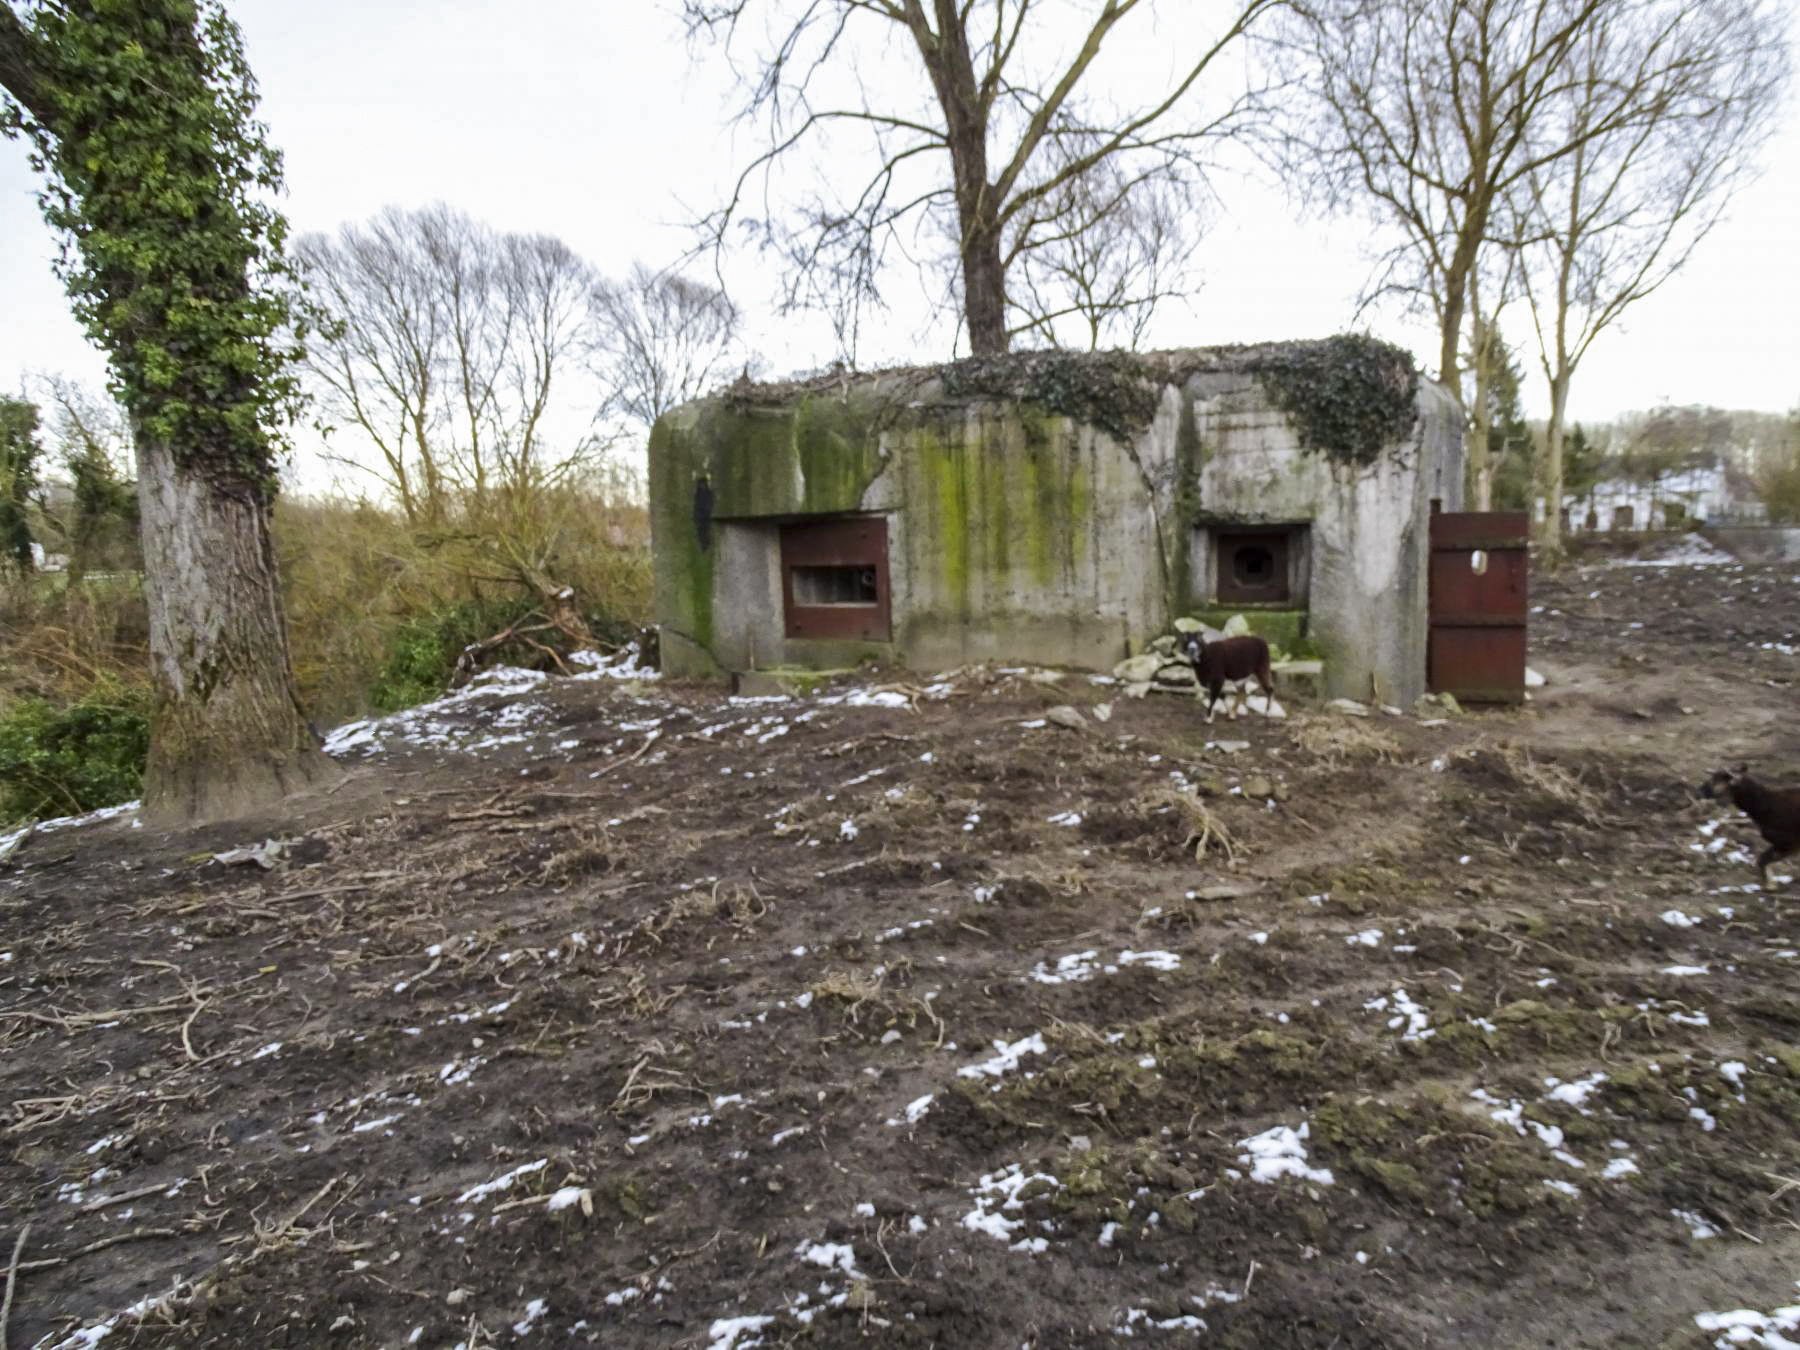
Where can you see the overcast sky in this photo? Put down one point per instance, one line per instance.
(591, 121)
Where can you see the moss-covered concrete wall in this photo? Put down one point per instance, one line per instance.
(1018, 530)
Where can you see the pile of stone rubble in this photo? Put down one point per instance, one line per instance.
(1163, 670)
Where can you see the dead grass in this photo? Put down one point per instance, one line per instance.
(736, 906)
(1551, 780)
(591, 852)
(1204, 831)
(1337, 741)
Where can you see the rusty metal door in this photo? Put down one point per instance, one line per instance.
(834, 578)
(1479, 588)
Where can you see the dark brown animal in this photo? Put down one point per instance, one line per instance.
(1229, 661)
(1776, 811)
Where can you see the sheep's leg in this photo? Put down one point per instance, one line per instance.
(1772, 853)
(1268, 688)
(1211, 702)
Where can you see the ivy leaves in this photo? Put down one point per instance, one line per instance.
(1348, 396)
(159, 178)
(1113, 391)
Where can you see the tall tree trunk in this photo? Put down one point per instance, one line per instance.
(1549, 534)
(228, 735)
(1481, 422)
(984, 291)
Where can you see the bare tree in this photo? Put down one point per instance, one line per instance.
(442, 347)
(446, 346)
(998, 117)
(1606, 225)
(660, 340)
(1491, 289)
(1430, 112)
(1101, 255)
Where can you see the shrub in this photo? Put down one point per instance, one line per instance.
(64, 761)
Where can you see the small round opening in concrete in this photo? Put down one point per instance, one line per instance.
(1252, 565)
(1478, 562)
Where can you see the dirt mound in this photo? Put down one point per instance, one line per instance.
(617, 1014)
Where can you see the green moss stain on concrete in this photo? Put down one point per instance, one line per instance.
(1190, 458)
(838, 447)
(816, 458)
(684, 568)
(943, 459)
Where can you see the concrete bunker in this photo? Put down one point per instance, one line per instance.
(1057, 508)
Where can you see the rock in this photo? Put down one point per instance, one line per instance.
(1261, 707)
(1138, 669)
(1187, 625)
(1137, 689)
(1236, 626)
(1281, 793)
(1533, 680)
(1103, 712)
(1164, 644)
(1224, 890)
(1392, 711)
(1064, 716)
(1259, 787)
(457, 1297)
(1230, 747)
(1080, 1143)
(1448, 703)
(1348, 706)
(265, 855)
(1176, 673)
(1643, 714)
(1210, 786)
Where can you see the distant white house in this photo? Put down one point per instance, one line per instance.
(1672, 500)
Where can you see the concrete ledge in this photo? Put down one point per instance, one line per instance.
(1299, 680)
(762, 683)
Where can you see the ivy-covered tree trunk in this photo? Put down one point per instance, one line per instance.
(229, 735)
(141, 117)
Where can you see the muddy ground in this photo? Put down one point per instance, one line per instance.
(620, 1014)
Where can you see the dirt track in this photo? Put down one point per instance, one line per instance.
(656, 1017)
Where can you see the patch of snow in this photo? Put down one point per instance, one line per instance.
(534, 1310)
(1280, 1152)
(1693, 550)
(1742, 1326)
(915, 1110)
(1007, 1059)
(1164, 961)
(1369, 937)
(998, 1192)
(1573, 1094)
(1698, 1228)
(725, 1331)
(1684, 970)
(1676, 919)
(70, 822)
(501, 1182)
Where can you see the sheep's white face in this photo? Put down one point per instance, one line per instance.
(1191, 646)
